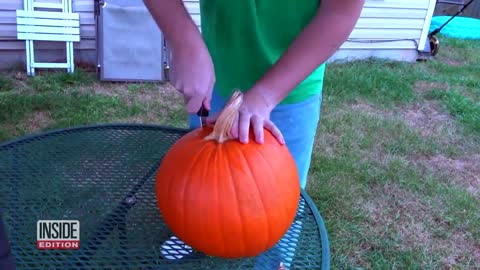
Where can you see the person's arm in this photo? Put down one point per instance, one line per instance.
(326, 32)
(331, 26)
(192, 72)
(174, 21)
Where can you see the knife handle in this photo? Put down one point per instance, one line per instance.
(202, 112)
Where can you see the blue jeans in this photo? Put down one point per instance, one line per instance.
(298, 123)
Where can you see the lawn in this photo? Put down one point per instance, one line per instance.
(396, 168)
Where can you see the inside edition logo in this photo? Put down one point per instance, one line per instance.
(58, 234)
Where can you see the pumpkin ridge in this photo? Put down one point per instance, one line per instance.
(214, 161)
(217, 196)
(207, 159)
(168, 186)
(267, 221)
(285, 214)
(235, 191)
(184, 210)
(185, 181)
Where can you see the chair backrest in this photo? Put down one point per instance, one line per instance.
(48, 25)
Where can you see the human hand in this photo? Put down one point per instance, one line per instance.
(192, 74)
(255, 112)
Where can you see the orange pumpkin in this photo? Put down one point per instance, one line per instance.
(225, 198)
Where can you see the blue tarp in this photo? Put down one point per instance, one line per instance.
(459, 27)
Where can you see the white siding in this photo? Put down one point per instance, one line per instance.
(193, 7)
(392, 29)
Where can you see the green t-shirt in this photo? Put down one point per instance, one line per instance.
(246, 37)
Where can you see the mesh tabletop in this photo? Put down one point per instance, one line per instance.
(104, 177)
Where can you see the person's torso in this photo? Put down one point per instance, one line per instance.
(246, 37)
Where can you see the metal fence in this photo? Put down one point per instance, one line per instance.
(450, 8)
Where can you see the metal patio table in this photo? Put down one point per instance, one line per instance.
(104, 176)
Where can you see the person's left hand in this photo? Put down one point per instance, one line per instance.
(255, 112)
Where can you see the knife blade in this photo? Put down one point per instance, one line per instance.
(202, 114)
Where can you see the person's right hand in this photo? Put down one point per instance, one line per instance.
(193, 74)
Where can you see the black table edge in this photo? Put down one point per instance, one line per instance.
(322, 228)
(34, 136)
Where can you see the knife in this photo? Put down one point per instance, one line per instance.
(202, 114)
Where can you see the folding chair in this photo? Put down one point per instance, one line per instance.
(53, 22)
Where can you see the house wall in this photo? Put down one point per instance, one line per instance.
(389, 29)
(392, 29)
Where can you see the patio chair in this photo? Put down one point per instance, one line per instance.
(48, 21)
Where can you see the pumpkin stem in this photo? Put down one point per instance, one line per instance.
(224, 123)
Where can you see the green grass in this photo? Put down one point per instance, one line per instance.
(58, 99)
(60, 81)
(371, 152)
(394, 156)
(359, 152)
(66, 110)
(6, 84)
(463, 108)
(378, 81)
